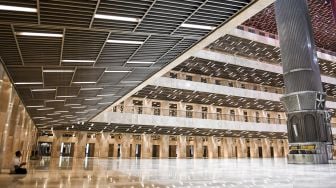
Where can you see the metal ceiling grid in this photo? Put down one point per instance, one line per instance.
(8, 48)
(67, 12)
(87, 51)
(16, 16)
(82, 45)
(167, 15)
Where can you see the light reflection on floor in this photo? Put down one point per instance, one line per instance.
(91, 172)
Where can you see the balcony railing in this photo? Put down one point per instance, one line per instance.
(199, 115)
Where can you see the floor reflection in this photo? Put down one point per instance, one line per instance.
(93, 172)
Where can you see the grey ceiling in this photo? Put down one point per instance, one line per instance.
(84, 38)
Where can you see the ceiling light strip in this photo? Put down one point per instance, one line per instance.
(17, 9)
(125, 42)
(33, 34)
(119, 18)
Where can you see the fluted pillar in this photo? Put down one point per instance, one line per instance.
(182, 147)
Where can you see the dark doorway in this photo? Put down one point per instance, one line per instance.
(190, 151)
(67, 149)
(119, 150)
(89, 150)
(173, 151)
(248, 152)
(282, 151)
(156, 151)
(260, 152)
(130, 151)
(44, 148)
(110, 151)
(219, 151)
(236, 152)
(272, 152)
(205, 151)
(137, 150)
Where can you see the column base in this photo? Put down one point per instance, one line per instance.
(308, 153)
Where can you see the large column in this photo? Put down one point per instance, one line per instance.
(241, 147)
(125, 146)
(164, 146)
(254, 148)
(212, 147)
(182, 147)
(228, 147)
(56, 145)
(103, 144)
(266, 147)
(308, 123)
(198, 147)
(146, 146)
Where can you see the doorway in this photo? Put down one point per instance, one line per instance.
(67, 149)
(156, 151)
(272, 152)
(44, 148)
(219, 151)
(205, 151)
(190, 151)
(137, 150)
(260, 152)
(89, 150)
(173, 151)
(248, 152)
(119, 150)
(110, 151)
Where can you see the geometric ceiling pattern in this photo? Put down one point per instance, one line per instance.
(244, 74)
(323, 23)
(261, 52)
(69, 60)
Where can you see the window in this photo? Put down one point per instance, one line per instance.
(279, 118)
(265, 89)
(232, 115)
(257, 117)
(189, 77)
(219, 113)
(173, 75)
(242, 86)
(156, 108)
(203, 80)
(204, 112)
(138, 106)
(217, 82)
(245, 116)
(173, 110)
(189, 111)
(255, 87)
(268, 118)
(230, 84)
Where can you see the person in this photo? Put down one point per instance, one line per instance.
(17, 165)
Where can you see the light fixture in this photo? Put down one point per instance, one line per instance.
(72, 104)
(195, 26)
(61, 111)
(83, 82)
(105, 95)
(93, 99)
(38, 117)
(43, 90)
(117, 71)
(77, 61)
(33, 34)
(58, 70)
(91, 88)
(66, 96)
(18, 9)
(38, 106)
(140, 62)
(125, 41)
(61, 100)
(105, 103)
(28, 83)
(45, 109)
(130, 81)
(78, 107)
(120, 18)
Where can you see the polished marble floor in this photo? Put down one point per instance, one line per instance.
(68, 172)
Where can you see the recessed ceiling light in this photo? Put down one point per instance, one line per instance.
(140, 62)
(77, 61)
(124, 41)
(105, 95)
(61, 111)
(15, 8)
(28, 83)
(120, 18)
(43, 90)
(105, 103)
(58, 70)
(116, 71)
(39, 34)
(45, 109)
(130, 81)
(198, 26)
(91, 88)
(93, 99)
(38, 117)
(72, 104)
(78, 107)
(40, 106)
(66, 96)
(83, 82)
(60, 100)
